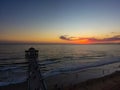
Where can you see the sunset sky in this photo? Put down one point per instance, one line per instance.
(60, 21)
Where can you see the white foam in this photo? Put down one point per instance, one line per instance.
(14, 81)
(21, 78)
(101, 62)
(12, 75)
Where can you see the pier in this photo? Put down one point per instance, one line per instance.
(35, 79)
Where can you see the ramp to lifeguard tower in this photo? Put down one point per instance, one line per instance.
(35, 79)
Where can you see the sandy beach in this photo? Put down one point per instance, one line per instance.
(106, 77)
(109, 82)
(75, 78)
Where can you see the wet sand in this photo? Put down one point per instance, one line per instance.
(102, 78)
(58, 82)
(109, 82)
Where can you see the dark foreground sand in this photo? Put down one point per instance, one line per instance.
(109, 82)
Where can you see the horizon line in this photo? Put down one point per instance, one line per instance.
(28, 43)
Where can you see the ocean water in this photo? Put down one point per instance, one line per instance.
(54, 59)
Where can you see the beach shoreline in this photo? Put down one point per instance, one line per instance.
(73, 80)
(108, 82)
(18, 86)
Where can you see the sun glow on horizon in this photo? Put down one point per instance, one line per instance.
(82, 41)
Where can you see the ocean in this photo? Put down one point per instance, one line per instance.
(54, 59)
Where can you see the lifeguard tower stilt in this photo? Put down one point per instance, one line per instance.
(35, 80)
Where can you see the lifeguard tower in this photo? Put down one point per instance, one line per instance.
(35, 79)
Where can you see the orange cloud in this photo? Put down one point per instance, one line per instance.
(83, 40)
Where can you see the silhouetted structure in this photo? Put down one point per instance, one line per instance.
(35, 80)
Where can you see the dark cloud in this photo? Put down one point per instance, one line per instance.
(110, 39)
(114, 38)
(66, 37)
